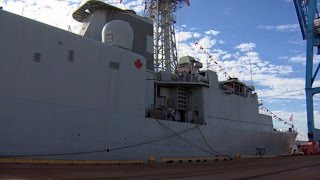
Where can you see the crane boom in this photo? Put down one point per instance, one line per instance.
(300, 7)
(309, 22)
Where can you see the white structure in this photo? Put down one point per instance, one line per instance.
(118, 33)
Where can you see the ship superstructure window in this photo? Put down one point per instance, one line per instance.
(114, 65)
(70, 55)
(234, 86)
(36, 57)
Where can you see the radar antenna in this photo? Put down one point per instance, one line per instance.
(162, 12)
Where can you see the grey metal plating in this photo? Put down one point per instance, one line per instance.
(110, 104)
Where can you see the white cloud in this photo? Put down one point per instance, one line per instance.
(182, 36)
(183, 26)
(297, 41)
(52, 12)
(196, 35)
(280, 88)
(58, 13)
(301, 58)
(246, 46)
(137, 5)
(212, 32)
(207, 42)
(283, 57)
(281, 28)
(227, 56)
(266, 75)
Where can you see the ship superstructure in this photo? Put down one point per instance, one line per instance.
(96, 96)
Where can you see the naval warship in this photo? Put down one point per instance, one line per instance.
(96, 96)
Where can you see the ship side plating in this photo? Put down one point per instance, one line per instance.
(96, 96)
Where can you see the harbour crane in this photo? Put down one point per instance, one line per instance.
(162, 12)
(309, 22)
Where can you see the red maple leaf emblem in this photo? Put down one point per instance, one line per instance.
(138, 63)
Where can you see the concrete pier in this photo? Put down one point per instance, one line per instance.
(294, 167)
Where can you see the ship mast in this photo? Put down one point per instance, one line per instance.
(162, 12)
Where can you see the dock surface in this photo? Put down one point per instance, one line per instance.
(293, 167)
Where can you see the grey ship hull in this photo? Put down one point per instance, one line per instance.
(54, 109)
(56, 129)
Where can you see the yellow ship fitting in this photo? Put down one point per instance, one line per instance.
(193, 159)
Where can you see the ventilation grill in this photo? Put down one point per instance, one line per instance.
(36, 57)
(114, 65)
(70, 55)
(109, 38)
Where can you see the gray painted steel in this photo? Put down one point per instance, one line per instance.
(64, 93)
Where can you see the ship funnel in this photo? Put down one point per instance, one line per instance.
(118, 33)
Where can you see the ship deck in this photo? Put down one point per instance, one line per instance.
(307, 167)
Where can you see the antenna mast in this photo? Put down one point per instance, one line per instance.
(162, 12)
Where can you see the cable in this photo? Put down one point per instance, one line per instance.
(186, 140)
(204, 139)
(97, 151)
(55, 154)
(302, 135)
(274, 116)
(147, 142)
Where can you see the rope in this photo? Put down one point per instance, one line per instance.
(186, 140)
(204, 139)
(55, 154)
(212, 152)
(302, 135)
(101, 150)
(210, 59)
(274, 116)
(148, 142)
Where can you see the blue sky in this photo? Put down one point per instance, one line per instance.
(234, 32)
